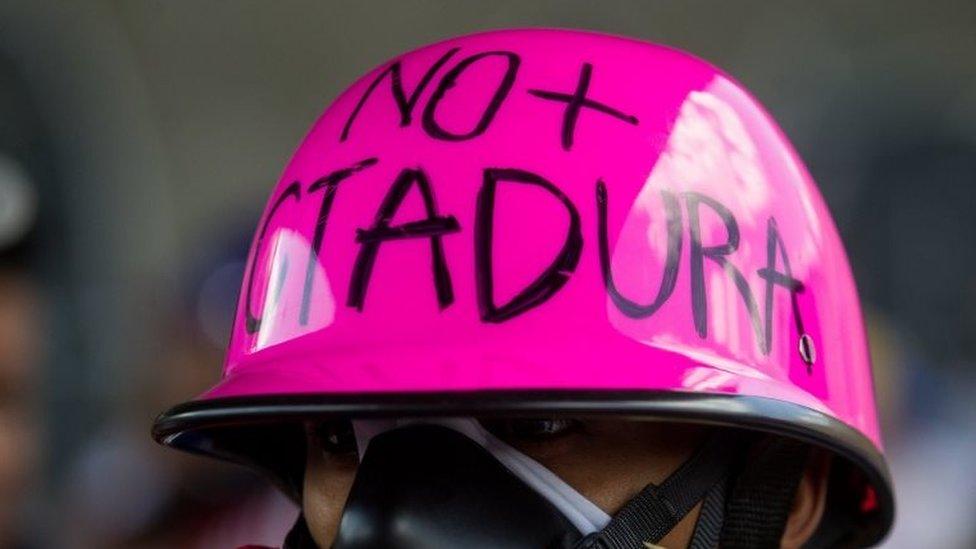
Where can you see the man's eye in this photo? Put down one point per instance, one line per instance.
(337, 437)
(531, 429)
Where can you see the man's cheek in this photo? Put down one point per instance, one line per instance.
(327, 485)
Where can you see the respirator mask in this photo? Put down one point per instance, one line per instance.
(452, 483)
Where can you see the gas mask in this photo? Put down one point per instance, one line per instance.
(452, 483)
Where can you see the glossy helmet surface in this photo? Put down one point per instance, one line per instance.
(547, 221)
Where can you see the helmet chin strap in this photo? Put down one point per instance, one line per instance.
(427, 485)
(657, 509)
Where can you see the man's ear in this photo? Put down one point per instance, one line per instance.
(809, 503)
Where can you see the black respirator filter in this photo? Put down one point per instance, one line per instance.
(428, 486)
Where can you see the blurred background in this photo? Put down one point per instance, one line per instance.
(138, 141)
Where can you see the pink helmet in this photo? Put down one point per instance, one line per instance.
(547, 221)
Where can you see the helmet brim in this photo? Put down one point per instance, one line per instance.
(264, 432)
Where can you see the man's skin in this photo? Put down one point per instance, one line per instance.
(607, 461)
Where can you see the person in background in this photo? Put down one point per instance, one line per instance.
(20, 356)
(159, 500)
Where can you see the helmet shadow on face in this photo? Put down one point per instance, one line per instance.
(621, 466)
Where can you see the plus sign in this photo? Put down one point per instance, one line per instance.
(575, 103)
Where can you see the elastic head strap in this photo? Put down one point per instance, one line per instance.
(762, 495)
(657, 509)
(708, 527)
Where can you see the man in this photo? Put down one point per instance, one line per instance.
(544, 288)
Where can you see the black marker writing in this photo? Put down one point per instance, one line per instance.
(431, 227)
(718, 253)
(404, 104)
(547, 283)
(785, 279)
(575, 103)
(435, 130)
(293, 191)
(330, 184)
(670, 276)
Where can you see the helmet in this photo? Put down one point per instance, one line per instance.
(547, 221)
